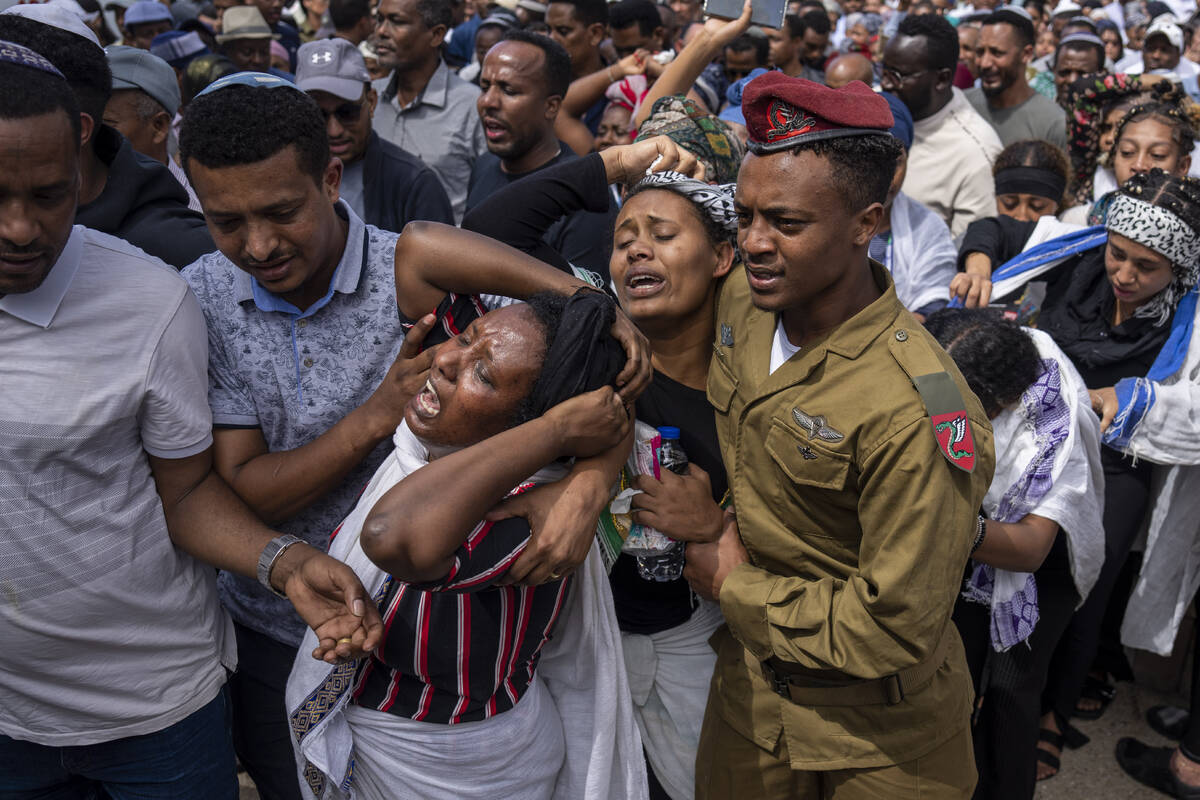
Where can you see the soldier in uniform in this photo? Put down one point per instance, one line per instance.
(857, 460)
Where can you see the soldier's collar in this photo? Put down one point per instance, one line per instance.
(853, 336)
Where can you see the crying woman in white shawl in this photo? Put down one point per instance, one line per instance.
(1039, 551)
(452, 703)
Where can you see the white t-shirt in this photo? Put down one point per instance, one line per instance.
(781, 348)
(109, 631)
(950, 164)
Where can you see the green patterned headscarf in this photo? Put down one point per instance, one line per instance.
(694, 129)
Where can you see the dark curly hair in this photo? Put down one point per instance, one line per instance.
(80, 61)
(28, 92)
(941, 38)
(587, 12)
(997, 358)
(863, 166)
(246, 124)
(624, 13)
(1036, 153)
(1168, 104)
(1021, 25)
(435, 12)
(751, 43)
(556, 64)
(1180, 196)
(815, 21)
(345, 14)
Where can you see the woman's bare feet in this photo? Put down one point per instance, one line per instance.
(1186, 770)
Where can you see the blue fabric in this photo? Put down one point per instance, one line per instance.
(902, 127)
(289, 37)
(1061, 247)
(1135, 396)
(259, 80)
(1174, 350)
(192, 758)
(460, 50)
(733, 94)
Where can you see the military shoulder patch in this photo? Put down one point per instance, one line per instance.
(948, 417)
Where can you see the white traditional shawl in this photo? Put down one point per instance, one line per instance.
(1075, 499)
(923, 254)
(1169, 436)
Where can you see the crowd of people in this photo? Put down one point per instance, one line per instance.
(450, 399)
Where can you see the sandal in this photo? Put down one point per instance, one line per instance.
(1074, 737)
(1098, 690)
(1168, 721)
(1151, 766)
(1055, 740)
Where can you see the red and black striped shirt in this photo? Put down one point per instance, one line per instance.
(462, 649)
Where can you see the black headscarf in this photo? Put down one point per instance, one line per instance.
(583, 354)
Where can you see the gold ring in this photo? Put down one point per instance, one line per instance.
(345, 639)
(555, 576)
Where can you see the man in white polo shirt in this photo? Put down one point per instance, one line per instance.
(115, 645)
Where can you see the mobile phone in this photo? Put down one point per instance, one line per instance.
(767, 13)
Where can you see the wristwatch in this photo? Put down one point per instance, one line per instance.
(980, 532)
(271, 554)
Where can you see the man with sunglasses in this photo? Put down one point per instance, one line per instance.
(386, 186)
(950, 162)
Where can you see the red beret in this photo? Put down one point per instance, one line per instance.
(782, 112)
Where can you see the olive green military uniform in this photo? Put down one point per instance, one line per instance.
(839, 661)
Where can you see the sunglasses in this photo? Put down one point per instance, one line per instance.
(346, 113)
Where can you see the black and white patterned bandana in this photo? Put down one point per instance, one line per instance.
(1166, 234)
(714, 199)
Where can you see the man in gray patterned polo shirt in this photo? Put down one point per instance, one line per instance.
(308, 376)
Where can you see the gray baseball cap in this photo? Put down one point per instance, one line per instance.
(332, 65)
(133, 68)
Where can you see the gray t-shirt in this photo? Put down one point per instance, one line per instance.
(295, 375)
(1039, 117)
(109, 630)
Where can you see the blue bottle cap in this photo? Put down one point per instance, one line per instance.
(667, 432)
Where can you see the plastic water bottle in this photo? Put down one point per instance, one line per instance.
(667, 564)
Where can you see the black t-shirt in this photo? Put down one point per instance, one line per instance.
(583, 237)
(644, 606)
